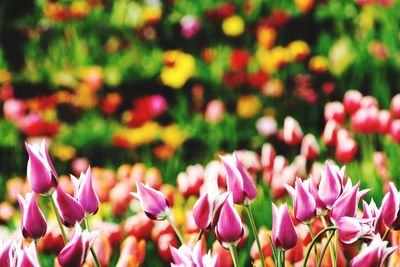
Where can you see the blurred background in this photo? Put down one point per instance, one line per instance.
(162, 85)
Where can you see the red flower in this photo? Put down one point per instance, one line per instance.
(239, 59)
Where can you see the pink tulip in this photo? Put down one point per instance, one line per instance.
(196, 257)
(365, 120)
(41, 173)
(266, 126)
(395, 106)
(309, 147)
(33, 223)
(284, 235)
(268, 155)
(334, 111)
(351, 101)
(207, 208)
(395, 130)
(292, 133)
(14, 109)
(239, 183)
(351, 229)
(79, 165)
(391, 207)
(27, 256)
(330, 185)
(215, 111)
(369, 102)
(153, 202)
(303, 201)
(347, 202)
(7, 252)
(373, 255)
(190, 181)
(384, 122)
(346, 149)
(85, 194)
(70, 210)
(329, 133)
(75, 251)
(229, 229)
(190, 26)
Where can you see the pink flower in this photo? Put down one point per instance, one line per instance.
(33, 223)
(292, 133)
(153, 202)
(229, 229)
(190, 26)
(351, 229)
(284, 235)
(303, 201)
(71, 211)
(215, 111)
(309, 147)
(85, 194)
(266, 126)
(329, 133)
(373, 255)
(351, 101)
(390, 207)
(14, 109)
(239, 183)
(75, 251)
(8, 253)
(267, 156)
(330, 185)
(334, 111)
(27, 256)
(41, 173)
(184, 257)
(346, 204)
(395, 106)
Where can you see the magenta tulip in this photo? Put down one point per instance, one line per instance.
(351, 229)
(153, 202)
(75, 251)
(303, 201)
(330, 185)
(346, 204)
(190, 26)
(27, 256)
(41, 173)
(85, 194)
(70, 210)
(284, 235)
(33, 223)
(239, 183)
(7, 253)
(193, 258)
(390, 207)
(373, 255)
(229, 229)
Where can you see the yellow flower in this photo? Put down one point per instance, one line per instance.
(271, 60)
(233, 26)
(318, 64)
(266, 37)
(63, 152)
(248, 106)
(173, 136)
(5, 76)
(304, 5)
(179, 67)
(151, 14)
(298, 50)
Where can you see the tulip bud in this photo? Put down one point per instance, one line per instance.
(391, 207)
(346, 204)
(303, 201)
(309, 147)
(75, 251)
(329, 133)
(395, 106)
(14, 109)
(292, 133)
(267, 156)
(190, 26)
(239, 183)
(369, 102)
(153, 202)
(284, 235)
(207, 208)
(373, 255)
(266, 126)
(346, 149)
(229, 229)
(214, 112)
(70, 210)
(41, 173)
(330, 185)
(27, 256)
(352, 229)
(384, 122)
(33, 223)
(335, 111)
(395, 130)
(84, 192)
(351, 101)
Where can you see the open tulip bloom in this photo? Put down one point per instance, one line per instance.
(26, 256)
(184, 257)
(33, 223)
(85, 194)
(41, 173)
(8, 253)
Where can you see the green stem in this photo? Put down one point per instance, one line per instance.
(255, 232)
(176, 230)
(283, 261)
(331, 247)
(312, 237)
(94, 255)
(324, 250)
(331, 228)
(37, 250)
(53, 204)
(235, 258)
(200, 234)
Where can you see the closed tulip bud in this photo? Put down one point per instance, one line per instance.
(334, 111)
(373, 255)
(329, 133)
(346, 150)
(292, 133)
(266, 126)
(153, 202)
(395, 106)
(309, 147)
(351, 229)
(267, 156)
(385, 121)
(85, 194)
(33, 223)
(395, 130)
(284, 235)
(390, 207)
(41, 173)
(239, 183)
(330, 185)
(346, 204)
(75, 251)
(70, 210)
(303, 201)
(229, 229)
(27, 256)
(365, 120)
(351, 101)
